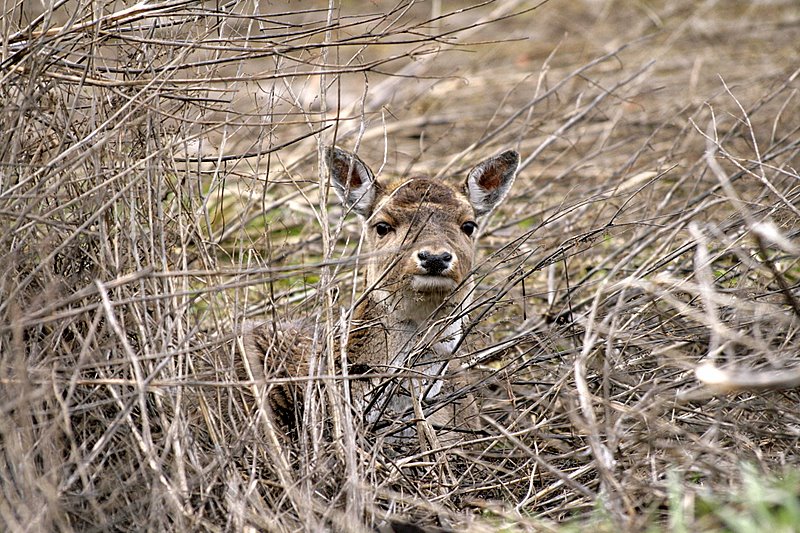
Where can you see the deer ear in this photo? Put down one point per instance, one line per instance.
(352, 180)
(488, 183)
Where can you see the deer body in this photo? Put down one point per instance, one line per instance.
(419, 235)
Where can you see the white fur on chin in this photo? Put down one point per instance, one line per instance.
(434, 284)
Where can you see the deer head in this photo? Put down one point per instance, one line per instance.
(420, 232)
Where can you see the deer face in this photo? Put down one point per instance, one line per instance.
(419, 232)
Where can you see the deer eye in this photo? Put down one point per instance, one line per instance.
(469, 228)
(383, 229)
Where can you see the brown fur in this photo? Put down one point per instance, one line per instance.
(420, 237)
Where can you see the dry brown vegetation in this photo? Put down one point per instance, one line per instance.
(160, 183)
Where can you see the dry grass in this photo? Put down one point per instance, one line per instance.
(159, 183)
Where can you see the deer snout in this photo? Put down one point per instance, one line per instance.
(434, 264)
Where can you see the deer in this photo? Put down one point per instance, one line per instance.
(419, 242)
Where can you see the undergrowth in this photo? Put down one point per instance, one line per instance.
(637, 311)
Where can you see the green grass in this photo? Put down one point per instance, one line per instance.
(761, 503)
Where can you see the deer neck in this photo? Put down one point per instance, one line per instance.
(410, 328)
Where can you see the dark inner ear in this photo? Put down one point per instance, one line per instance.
(353, 180)
(491, 178)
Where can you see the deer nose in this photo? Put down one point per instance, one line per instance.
(434, 264)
